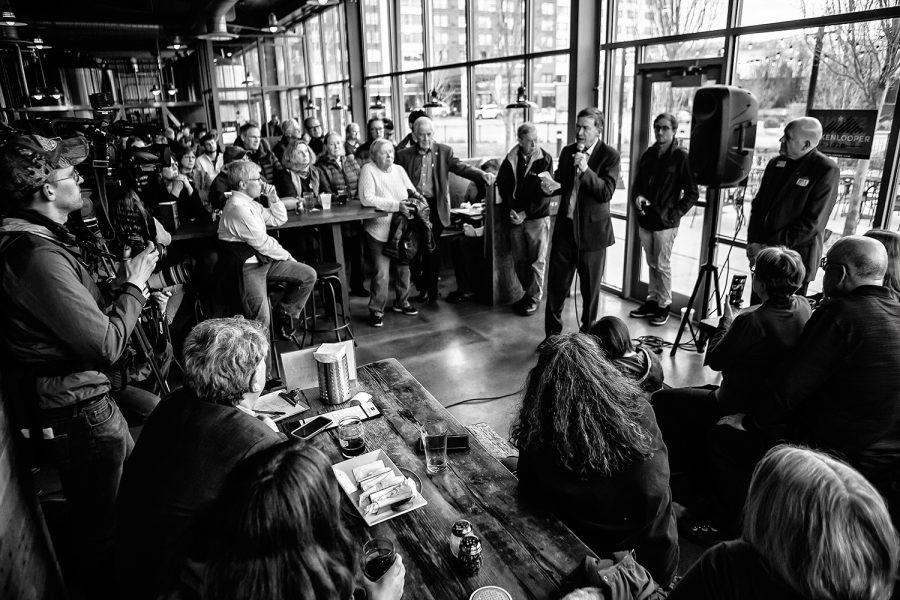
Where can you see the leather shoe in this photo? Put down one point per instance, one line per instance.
(529, 308)
(428, 296)
(459, 296)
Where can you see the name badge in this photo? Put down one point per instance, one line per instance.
(780, 163)
(803, 182)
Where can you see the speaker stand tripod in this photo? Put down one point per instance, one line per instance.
(707, 278)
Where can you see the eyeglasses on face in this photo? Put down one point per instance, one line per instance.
(75, 175)
(825, 263)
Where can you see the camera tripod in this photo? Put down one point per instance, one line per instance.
(707, 278)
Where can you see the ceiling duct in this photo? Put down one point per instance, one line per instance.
(80, 29)
(217, 22)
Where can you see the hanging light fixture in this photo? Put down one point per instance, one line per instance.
(248, 82)
(53, 93)
(378, 103)
(522, 100)
(155, 90)
(338, 105)
(176, 44)
(323, 2)
(308, 106)
(273, 23)
(8, 17)
(434, 101)
(38, 94)
(172, 89)
(38, 44)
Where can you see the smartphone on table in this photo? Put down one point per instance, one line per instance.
(310, 429)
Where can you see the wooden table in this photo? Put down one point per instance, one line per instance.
(337, 214)
(525, 552)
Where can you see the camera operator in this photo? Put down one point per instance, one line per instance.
(58, 341)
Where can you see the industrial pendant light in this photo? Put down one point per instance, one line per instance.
(434, 101)
(273, 23)
(522, 100)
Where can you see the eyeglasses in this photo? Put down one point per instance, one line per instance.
(825, 263)
(75, 175)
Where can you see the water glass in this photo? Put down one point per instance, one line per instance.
(434, 440)
(309, 201)
(350, 436)
(378, 556)
(325, 201)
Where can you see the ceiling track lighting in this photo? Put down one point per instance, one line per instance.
(522, 100)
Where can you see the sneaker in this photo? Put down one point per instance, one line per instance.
(661, 317)
(648, 309)
(408, 310)
(375, 320)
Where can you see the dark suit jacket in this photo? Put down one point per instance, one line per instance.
(593, 228)
(444, 164)
(794, 213)
(186, 450)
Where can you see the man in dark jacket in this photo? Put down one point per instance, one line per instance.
(290, 131)
(219, 189)
(663, 191)
(258, 151)
(519, 183)
(795, 197)
(60, 335)
(429, 165)
(588, 172)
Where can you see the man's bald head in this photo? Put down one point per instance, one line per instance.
(863, 259)
(807, 128)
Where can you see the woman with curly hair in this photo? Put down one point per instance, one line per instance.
(590, 450)
(814, 528)
(276, 532)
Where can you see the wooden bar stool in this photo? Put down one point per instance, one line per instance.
(328, 285)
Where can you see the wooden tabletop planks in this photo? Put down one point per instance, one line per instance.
(526, 552)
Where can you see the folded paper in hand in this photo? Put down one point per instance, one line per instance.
(548, 179)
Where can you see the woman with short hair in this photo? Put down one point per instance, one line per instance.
(590, 451)
(299, 175)
(814, 529)
(386, 187)
(750, 351)
(276, 532)
(189, 444)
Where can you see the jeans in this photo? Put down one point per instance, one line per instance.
(298, 277)
(530, 242)
(89, 448)
(380, 266)
(657, 247)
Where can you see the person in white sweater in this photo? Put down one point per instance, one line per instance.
(385, 186)
(244, 220)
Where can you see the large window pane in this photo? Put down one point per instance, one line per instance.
(379, 92)
(618, 133)
(376, 28)
(251, 63)
(337, 119)
(686, 49)
(450, 120)
(550, 25)
(332, 31)
(614, 273)
(448, 32)
(411, 39)
(499, 28)
(776, 11)
(640, 19)
(314, 47)
(296, 60)
(495, 126)
(412, 88)
(550, 77)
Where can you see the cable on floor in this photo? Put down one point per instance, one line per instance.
(482, 400)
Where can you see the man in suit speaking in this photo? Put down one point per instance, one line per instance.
(795, 197)
(587, 175)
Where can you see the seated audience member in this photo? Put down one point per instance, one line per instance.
(639, 364)
(291, 131)
(750, 351)
(374, 131)
(299, 175)
(218, 189)
(351, 143)
(813, 528)
(591, 452)
(841, 386)
(385, 186)
(188, 446)
(891, 241)
(194, 180)
(211, 161)
(276, 532)
(255, 258)
(258, 151)
(314, 134)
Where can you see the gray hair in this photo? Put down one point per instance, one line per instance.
(289, 125)
(822, 529)
(420, 122)
(526, 128)
(378, 144)
(807, 129)
(289, 152)
(220, 357)
(241, 170)
(332, 134)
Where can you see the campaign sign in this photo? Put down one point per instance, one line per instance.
(847, 133)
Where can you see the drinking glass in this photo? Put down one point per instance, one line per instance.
(342, 194)
(350, 436)
(325, 201)
(378, 556)
(434, 439)
(309, 201)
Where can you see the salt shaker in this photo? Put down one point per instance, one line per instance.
(460, 529)
(470, 555)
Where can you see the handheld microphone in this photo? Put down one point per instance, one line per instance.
(580, 148)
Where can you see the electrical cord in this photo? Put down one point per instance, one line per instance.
(483, 400)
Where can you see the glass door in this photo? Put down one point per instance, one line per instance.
(669, 88)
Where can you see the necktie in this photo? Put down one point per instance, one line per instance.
(573, 199)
